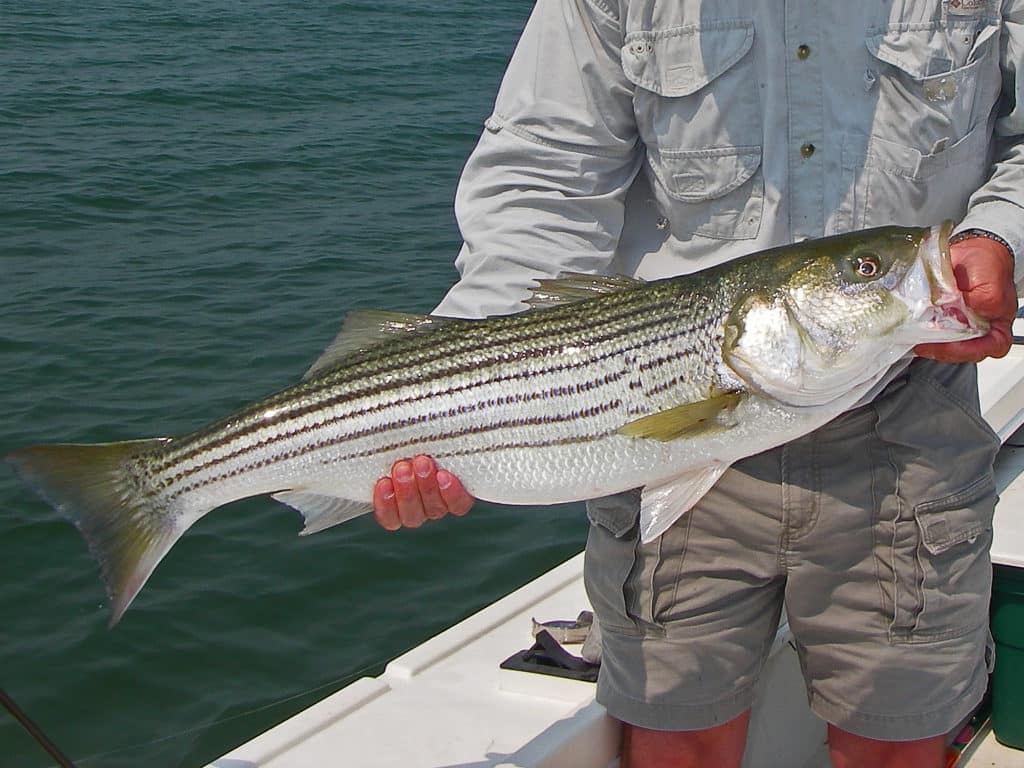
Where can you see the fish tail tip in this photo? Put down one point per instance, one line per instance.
(118, 605)
(128, 532)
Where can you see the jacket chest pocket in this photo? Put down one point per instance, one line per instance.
(927, 146)
(936, 82)
(698, 112)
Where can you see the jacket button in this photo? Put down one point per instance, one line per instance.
(806, 150)
(803, 51)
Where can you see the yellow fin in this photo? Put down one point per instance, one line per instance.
(685, 420)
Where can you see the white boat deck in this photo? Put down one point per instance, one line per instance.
(446, 703)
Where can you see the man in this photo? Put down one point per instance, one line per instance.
(653, 138)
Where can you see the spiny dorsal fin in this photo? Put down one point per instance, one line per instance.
(365, 328)
(686, 420)
(570, 287)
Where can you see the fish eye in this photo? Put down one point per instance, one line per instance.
(866, 265)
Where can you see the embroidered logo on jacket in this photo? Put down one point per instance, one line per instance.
(967, 7)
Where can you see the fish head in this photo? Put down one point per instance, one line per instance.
(834, 313)
(928, 288)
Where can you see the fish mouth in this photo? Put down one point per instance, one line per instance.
(930, 290)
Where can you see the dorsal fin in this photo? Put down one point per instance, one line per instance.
(570, 287)
(365, 328)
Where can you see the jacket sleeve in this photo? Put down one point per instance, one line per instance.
(998, 206)
(543, 192)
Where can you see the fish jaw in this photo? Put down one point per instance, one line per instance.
(938, 311)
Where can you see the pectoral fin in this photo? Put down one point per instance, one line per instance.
(320, 511)
(661, 505)
(687, 420)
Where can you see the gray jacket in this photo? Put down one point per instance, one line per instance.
(651, 138)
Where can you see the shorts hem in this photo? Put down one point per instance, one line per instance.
(661, 716)
(907, 727)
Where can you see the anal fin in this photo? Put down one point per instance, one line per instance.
(320, 511)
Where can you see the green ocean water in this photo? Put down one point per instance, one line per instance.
(192, 195)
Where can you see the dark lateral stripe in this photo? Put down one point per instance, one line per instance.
(461, 366)
(529, 327)
(248, 426)
(272, 437)
(481, 406)
(660, 362)
(525, 444)
(459, 352)
(244, 423)
(529, 421)
(662, 387)
(501, 340)
(381, 406)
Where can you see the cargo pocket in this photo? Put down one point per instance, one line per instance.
(610, 558)
(937, 498)
(698, 113)
(955, 571)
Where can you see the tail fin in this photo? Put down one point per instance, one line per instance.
(128, 529)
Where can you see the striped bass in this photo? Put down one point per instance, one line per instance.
(609, 384)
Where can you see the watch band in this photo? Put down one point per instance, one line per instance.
(968, 233)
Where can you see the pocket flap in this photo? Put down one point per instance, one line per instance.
(617, 514)
(915, 165)
(705, 174)
(953, 519)
(908, 49)
(682, 60)
(924, 53)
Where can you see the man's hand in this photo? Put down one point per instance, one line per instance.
(417, 491)
(984, 273)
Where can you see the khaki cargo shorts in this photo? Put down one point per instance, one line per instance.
(874, 533)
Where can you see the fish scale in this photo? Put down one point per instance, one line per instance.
(614, 384)
(434, 359)
(470, 390)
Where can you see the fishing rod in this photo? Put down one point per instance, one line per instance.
(34, 730)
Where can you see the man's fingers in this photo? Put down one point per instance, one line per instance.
(417, 491)
(996, 343)
(407, 495)
(434, 507)
(455, 496)
(385, 509)
(992, 300)
(984, 272)
(999, 338)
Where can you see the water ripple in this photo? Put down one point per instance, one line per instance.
(192, 195)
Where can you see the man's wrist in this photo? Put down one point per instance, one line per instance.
(967, 234)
